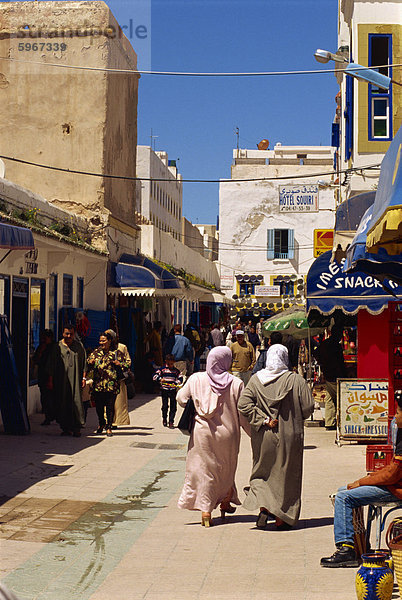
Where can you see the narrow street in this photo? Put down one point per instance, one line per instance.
(96, 518)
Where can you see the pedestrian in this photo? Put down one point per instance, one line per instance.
(214, 442)
(276, 402)
(107, 365)
(274, 338)
(243, 357)
(217, 336)
(40, 358)
(382, 486)
(258, 329)
(121, 416)
(154, 341)
(65, 371)
(169, 379)
(193, 335)
(182, 351)
(253, 338)
(329, 356)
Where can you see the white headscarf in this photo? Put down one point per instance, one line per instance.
(276, 364)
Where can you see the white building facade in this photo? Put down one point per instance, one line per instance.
(268, 227)
(161, 195)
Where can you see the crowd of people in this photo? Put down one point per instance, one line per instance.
(234, 381)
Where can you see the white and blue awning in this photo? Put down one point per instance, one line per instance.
(329, 288)
(140, 276)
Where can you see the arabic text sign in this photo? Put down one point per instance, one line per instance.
(298, 198)
(267, 290)
(363, 408)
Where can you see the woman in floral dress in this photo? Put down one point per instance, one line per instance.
(107, 365)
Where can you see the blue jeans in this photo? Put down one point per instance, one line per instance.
(347, 500)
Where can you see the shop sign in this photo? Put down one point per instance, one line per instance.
(31, 265)
(323, 241)
(267, 290)
(298, 198)
(227, 279)
(363, 408)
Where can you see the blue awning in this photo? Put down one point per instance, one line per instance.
(15, 238)
(329, 288)
(347, 218)
(385, 230)
(140, 272)
(380, 264)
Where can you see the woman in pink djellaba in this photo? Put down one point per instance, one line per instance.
(214, 442)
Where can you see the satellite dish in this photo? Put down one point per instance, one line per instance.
(263, 145)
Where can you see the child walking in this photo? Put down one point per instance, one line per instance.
(170, 379)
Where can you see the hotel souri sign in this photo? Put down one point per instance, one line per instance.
(298, 198)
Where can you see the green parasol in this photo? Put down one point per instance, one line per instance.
(292, 322)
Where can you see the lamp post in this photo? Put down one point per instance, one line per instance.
(355, 70)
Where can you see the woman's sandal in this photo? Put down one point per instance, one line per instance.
(226, 507)
(206, 520)
(281, 525)
(99, 430)
(262, 519)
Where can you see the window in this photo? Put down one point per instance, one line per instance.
(67, 290)
(246, 288)
(37, 322)
(380, 100)
(287, 287)
(280, 244)
(80, 292)
(53, 303)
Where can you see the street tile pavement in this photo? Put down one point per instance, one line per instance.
(96, 518)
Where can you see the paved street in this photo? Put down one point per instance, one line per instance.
(96, 518)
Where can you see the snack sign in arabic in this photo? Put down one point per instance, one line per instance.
(298, 198)
(363, 408)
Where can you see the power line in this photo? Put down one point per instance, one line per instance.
(130, 178)
(193, 74)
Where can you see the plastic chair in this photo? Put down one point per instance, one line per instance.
(375, 513)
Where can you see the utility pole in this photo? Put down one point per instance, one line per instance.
(237, 132)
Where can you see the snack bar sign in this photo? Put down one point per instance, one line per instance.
(298, 198)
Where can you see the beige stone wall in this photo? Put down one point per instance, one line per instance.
(69, 118)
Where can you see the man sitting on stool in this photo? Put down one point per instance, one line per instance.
(384, 485)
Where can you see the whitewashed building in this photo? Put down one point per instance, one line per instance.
(268, 226)
(161, 195)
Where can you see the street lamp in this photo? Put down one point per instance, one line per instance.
(355, 70)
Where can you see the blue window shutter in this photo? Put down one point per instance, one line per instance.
(348, 113)
(291, 243)
(270, 244)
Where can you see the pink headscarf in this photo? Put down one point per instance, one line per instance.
(219, 361)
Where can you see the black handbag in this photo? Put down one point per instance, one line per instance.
(186, 422)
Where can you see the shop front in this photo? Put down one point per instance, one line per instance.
(362, 303)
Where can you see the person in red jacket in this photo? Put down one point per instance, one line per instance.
(384, 485)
